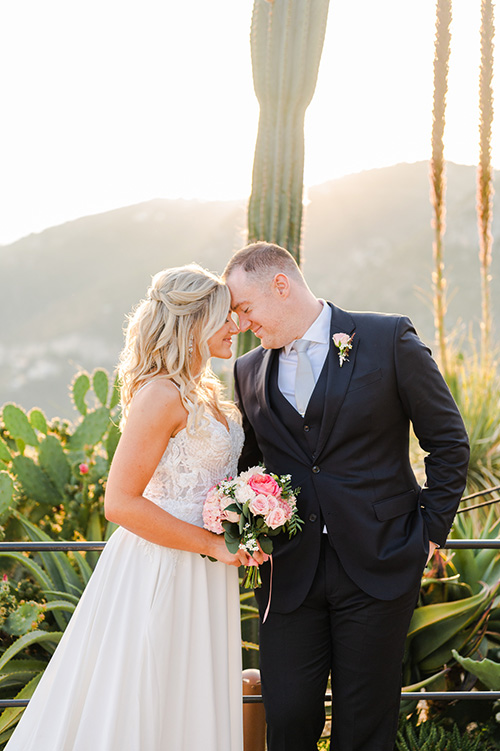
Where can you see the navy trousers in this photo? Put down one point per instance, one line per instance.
(342, 631)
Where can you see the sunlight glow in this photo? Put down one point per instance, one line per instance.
(110, 103)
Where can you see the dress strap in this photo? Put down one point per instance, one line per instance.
(148, 383)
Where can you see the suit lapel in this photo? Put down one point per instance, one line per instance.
(262, 378)
(338, 377)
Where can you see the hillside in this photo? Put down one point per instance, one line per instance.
(64, 292)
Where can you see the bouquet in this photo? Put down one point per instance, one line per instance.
(251, 509)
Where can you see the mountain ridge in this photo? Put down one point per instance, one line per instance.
(367, 238)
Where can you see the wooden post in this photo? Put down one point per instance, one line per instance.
(254, 717)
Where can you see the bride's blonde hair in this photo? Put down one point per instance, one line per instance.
(168, 333)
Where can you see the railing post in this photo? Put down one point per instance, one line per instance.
(254, 716)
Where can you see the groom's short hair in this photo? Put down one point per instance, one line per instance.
(261, 259)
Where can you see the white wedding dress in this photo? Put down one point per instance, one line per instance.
(151, 659)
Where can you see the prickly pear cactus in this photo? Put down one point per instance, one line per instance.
(6, 493)
(34, 482)
(17, 423)
(91, 429)
(5, 455)
(54, 462)
(100, 383)
(79, 389)
(38, 421)
(25, 618)
(54, 472)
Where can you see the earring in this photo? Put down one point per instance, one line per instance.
(190, 346)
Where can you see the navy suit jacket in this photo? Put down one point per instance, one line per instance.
(359, 480)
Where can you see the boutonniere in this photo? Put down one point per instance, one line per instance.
(343, 342)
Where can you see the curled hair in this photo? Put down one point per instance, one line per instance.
(262, 259)
(168, 332)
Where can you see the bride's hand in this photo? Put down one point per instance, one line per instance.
(241, 558)
(221, 553)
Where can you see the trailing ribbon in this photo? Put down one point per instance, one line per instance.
(270, 591)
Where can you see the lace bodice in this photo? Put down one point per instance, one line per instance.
(191, 465)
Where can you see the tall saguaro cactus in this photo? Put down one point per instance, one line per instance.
(287, 41)
(485, 170)
(437, 170)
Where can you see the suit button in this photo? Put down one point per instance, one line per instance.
(306, 428)
(313, 517)
(315, 469)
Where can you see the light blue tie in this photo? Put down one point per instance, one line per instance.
(304, 376)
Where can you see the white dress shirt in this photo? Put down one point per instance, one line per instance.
(319, 336)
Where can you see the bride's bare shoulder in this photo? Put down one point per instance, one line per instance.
(159, 400)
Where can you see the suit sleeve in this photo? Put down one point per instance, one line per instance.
(251, 453)
(438, 426)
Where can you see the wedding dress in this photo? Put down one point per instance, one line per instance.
(151, 659)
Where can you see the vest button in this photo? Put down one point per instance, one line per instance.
(306, 428)
(313, 517)
(315, 469)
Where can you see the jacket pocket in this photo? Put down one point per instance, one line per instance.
(365, 380)
(397, 505)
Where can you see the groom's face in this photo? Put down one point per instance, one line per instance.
(261, 307)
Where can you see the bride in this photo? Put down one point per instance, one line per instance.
(151, 660)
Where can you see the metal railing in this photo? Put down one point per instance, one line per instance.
(34, 547)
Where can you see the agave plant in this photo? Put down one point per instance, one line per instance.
(486, 670)
(61, 578)
(457, 612)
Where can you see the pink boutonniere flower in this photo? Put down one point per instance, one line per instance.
(343, 342)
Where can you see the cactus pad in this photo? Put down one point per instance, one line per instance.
(17, 423)
(38, 421)
(100, 383)
(26, 618)
(112, 440)
(91, 429)
(115, 395)
(54, 463)
(35, 483)
(6, 492)
(79, 389)
(4, 452)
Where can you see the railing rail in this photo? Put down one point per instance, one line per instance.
(34, 547)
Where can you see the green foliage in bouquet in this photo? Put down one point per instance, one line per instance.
(54, 472)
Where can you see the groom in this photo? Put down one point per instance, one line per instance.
(335, 413)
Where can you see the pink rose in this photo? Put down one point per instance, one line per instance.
(231, 516)
(265, 484)
(84, 469)
(260, 505)
(287, 510)
(276, 518)
(340, 340)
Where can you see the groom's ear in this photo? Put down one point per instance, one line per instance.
(281, 284)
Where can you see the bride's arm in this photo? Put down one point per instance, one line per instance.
(156, 414)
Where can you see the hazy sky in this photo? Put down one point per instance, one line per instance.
(111, 102)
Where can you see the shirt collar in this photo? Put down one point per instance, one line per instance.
(319, 330)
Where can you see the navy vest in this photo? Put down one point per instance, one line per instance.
(305, 429)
